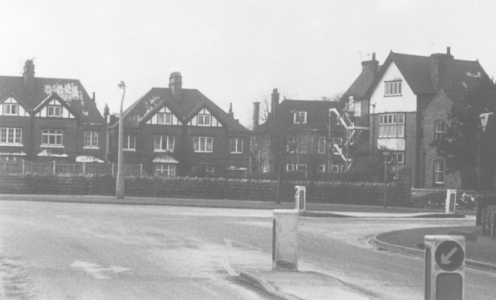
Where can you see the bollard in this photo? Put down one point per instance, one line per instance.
(300, 197)
(444, 267)
(285, 240)
(450, 201)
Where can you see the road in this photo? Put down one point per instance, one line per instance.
(103, 251)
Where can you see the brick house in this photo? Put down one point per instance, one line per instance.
(306, 128)
(48, 119)
(407, 105)
(175, 131)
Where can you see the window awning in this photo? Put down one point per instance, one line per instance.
(165, 159)
(88, 159)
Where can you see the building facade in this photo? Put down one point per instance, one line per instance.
(175, 131)
(50, 119)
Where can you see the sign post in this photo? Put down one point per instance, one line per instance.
(450, 201)
(444, 267)
(285, 240)
(300, 197)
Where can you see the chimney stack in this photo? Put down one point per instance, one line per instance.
(231, 114)
(256, 115)
(106, 113)
(371, 66)
(440, 67)
(275, 100)
(29, 75)
(175, 84)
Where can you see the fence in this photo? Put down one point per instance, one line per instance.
(23, 167)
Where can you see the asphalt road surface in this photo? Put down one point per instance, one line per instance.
(101, 251)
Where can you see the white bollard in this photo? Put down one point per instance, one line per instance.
(300, 197)
(444, 267)
(285, 240)
(450, 201)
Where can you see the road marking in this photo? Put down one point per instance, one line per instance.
(231, 242)
(446, 258)
(95, 270)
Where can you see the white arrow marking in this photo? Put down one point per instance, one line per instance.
(446, 258)
(94, 270)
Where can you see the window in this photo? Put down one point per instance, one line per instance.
(289, 167)
(11, 136)
(10, 109)
(204, 120)
(236, 145)
(392, 88)
(300, 117)
(165, 118)
(321, 168)
(291, 144)
(302, 167)
(54, 111)
(391, 125)
(129, 142)
(337, 141)
(203, 144)
(322, 145)
(164, 143)
(303, 144)
(165, 170)
(438, 172)
(51, 137)
(439, 130)
(335, 168)
(90, 139)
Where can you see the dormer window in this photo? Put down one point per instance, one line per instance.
(204, 120)
(54, 111)
(392, 88)
(165, 118)
(300, 117)
(10, 109)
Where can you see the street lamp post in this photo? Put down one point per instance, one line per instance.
(119, 187)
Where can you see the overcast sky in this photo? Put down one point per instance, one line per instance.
(234, 51)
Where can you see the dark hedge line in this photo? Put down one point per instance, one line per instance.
(205, 188)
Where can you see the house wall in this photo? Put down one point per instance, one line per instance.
(70, 138)
(98, 153)
(17, 122)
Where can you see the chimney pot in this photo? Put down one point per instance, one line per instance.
(275, 100)
(256, 115)
(29, 74)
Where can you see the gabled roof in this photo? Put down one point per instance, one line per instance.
(191, 101)
(55, 96)
(3, 99)
(460, 75)
(359, 87)
(70, 90)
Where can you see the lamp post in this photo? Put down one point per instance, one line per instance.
(119, 187)
(386, 155)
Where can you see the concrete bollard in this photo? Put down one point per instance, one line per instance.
(300, 197)
(285, 240)
(450, 201)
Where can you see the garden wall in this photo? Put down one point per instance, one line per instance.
(205, 188)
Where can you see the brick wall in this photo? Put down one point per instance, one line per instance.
(201, 188)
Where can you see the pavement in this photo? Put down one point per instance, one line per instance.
(302, 284)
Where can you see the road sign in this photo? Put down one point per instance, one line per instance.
(449, 255)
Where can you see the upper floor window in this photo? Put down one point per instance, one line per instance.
(300, 117)
(291, 144)
(11, 136)
(10, 109)
(438, 172)
(54, 110)
(164, 143)
(129, 142)
(391, 125)
(392, 88)
(52, 137)
(303, 144)
(337, 141)
(321, 168)
(91, 139)
(289, 167)
(203, 144)
(204, 120)
(321, 145)
(439, 130)
(236, 145)
(164, 118)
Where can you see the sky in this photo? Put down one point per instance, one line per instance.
(234, 51)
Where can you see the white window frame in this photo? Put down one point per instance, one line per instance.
(164, 118)
(204, 120)
(129, 143)
(289, 168)
(392, 88)
(291, 140)
(334, 168)
(167, 170)
(203, 144)
(392, 125)
(321, 147)
(90, 140)
(54, 110)
(439, 130)
(236, 145)
(300, 117)
(439, 171)
(47, 134)
(321, 169)
(302, 167)
(9, 107)
(337, 141)
(11, 136)
(159, 140)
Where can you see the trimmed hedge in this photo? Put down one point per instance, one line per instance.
(204, 188)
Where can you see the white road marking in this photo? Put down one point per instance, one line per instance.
(95, 270)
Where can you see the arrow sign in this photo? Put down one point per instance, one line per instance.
(95, 270)
(449, 255)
